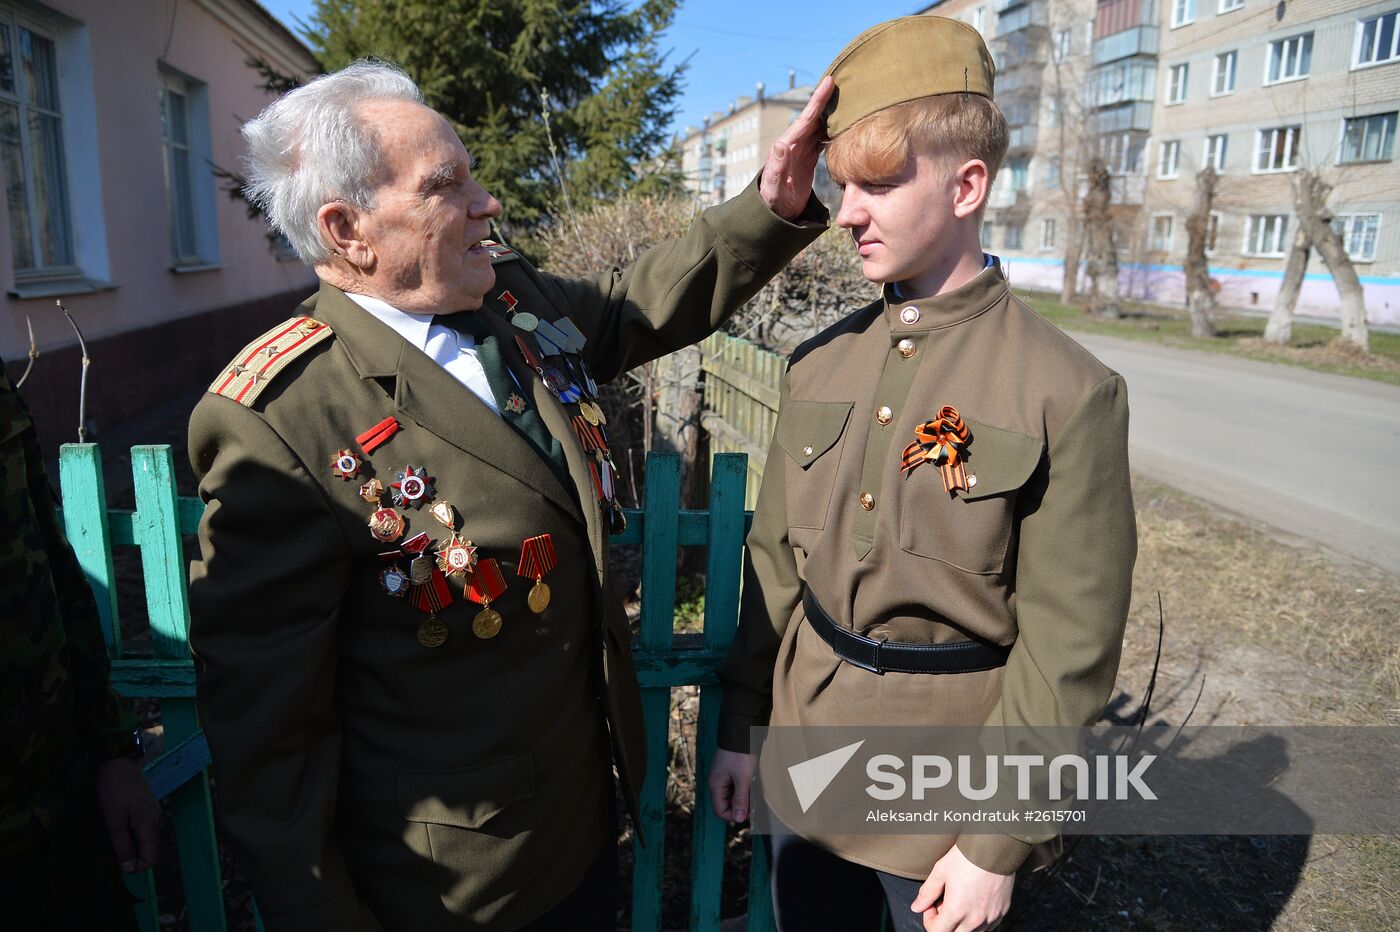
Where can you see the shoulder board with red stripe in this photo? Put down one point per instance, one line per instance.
(255, 366)
(500, 253)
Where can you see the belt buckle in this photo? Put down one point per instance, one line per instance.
(874, 666)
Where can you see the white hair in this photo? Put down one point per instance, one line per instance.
(309, 147)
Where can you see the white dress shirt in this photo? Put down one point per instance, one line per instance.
(455, 352)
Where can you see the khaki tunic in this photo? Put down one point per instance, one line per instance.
(369, 781)
(1037, 554)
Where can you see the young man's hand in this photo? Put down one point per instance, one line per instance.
(971, 899)
(792, 159)
(131, 812)
(730, 776)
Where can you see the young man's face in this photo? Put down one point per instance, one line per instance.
(905, 226)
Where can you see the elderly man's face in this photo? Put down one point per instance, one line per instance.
(430, 214)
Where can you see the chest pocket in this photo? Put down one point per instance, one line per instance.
(812, 435)
(970, 530)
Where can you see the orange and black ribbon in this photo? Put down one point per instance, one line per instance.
(487, 583)
(434, 595)
(589, 435)
(536, 557)
(942, 441)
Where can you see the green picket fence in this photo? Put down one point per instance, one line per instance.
(664, 661)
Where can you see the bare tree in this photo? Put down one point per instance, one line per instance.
(1310, 193)
(1200, 298)
(1102, 258)
(1071, 145)
(1279, 328)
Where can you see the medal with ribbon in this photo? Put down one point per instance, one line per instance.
(942, 441)
(486, 583)
(537, 559)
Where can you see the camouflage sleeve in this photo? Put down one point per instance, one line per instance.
(39, 556)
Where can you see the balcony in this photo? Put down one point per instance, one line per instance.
(1023, 16)
(1017, 79)
(1140, 40)
(1003, 5)
(1121, 82)
(1023, 137)
(1127, 190)
(1125, 117)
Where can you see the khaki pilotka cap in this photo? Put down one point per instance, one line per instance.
(905, 59)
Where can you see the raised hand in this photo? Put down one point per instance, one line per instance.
(792, 159)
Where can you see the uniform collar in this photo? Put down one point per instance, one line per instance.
(955, 307)
(412, 327)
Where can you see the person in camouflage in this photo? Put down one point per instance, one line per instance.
(73, 802)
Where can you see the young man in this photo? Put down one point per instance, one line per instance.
(1016, 558)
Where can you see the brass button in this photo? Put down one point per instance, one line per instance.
(806, 451)
(906, 348)
(910, 315)
(867, 501)
(883, 414)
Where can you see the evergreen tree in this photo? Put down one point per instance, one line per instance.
(487, 65)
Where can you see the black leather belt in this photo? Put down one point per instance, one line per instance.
(891, 657)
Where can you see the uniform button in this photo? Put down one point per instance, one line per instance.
(883, 414)
(867, 501)
(910, 315)
(906, 348)
(971, 481)
(806, 451)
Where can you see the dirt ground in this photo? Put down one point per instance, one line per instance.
(1265, 630)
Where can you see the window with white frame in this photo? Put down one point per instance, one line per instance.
(1276, 149)
(1289, 59)
(1359, 233)
(1122, 152)
(989, 229)
(179, 188)
(1176, 83)
(1228, 6)
(1013, 236)
(1212, 231)
(1216, 149)
(1161, 233)
(1222, 76)
(1265, 234)
(1047, 233)
(979, 18)
(1020, 170)
(32, 152)
(1169, 158)
(1062, 48)
(1368, 138)
(1183, 12)
(1052, 172)
(1377, 40)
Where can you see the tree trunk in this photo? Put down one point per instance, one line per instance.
(1102, 259)
(1069, 285)
(677, 420)
(1200, 299)
(1310, 196)
(1279, 329)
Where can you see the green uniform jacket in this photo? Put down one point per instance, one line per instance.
(60, 716)
(367, 780)
(1037, 554)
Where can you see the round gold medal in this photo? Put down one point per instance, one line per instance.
(487, 623)
(432, 632)
(538, 597)
(589, 412)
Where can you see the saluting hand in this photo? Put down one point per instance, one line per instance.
(792, 159)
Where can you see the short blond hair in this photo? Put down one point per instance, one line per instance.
(952, 128)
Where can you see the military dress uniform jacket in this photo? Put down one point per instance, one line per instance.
(1037, 554)
(368, 780)
(61, 716)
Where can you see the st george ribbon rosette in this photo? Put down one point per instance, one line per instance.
(942, 441)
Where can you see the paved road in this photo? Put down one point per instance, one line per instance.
(1313, 454)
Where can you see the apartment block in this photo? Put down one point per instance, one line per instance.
(1260, 91)
(721, 157)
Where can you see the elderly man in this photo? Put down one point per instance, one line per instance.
(413, 671)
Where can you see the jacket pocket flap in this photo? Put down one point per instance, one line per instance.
(468, 798)
(1002, 460)
(807, 429)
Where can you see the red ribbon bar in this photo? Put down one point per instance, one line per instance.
(487, 583)
(434, 595)
(536, 557)
(377, 435)
(509, 300)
